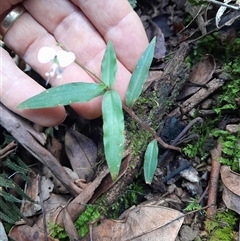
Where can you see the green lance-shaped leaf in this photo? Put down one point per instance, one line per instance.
(10, 198)
(113, 128)
(150, 161)
(6, 218)
(140, 74)
(64, 95)
(109, 66)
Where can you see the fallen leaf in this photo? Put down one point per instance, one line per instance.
(32, 190)
(201, 73)
(161, 21)
(58, 209)
(82, 153)
(69, 226)
(53, 184)
(27, 233)
(231, 192)
(153, 30)
(153, 75)
(141, 223)
(54, 147)
(107, 181)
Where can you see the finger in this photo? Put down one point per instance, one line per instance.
(17, 86)
(66, 26)
(6, 5)
(26, 37)
(70, 27)
(116, 21)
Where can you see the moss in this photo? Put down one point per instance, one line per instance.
(144, 105)
(55, 231)
(230, 148)
(139, 138)
(126, 200)
(221, 228)
(91, 213)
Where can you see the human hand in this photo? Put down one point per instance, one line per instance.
(83, 27)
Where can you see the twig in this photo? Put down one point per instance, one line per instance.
(42, 206)
(203, 195)
(213, 182)
(8, 149)
(33, 141)
(150, 130)
(176, 140)
(224, 4)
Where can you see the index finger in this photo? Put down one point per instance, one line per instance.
(5, 5)
(118, 21)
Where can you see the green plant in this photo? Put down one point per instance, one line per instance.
(126, 200)
(204, 143)
(230, 90)
(82, 223)
(9, 210)
(227, 99)
(221, 227)
(230, 148)
(133, 3)
(9, 204)
(193, 205)
(55, 231)
(113, 122)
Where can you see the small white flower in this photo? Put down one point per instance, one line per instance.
(59, 59)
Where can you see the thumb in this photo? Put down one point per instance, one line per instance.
(16, 87)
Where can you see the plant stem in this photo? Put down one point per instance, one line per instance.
(81, 66)
(88, 71)
(130, 112)
(224, 4)
(149, 129)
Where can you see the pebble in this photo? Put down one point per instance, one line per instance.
(187, 234)
(232, 128)
(190, 174)
(207, 104)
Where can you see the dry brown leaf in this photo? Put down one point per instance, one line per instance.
(231, 192)
(195, 99)
(31, 189)
(49, 199)
(82, 153)
(55, 206)
(27, 233)
(69, 227)
(152, 30)
(141, 223)
(107, 182)
(33, 142)
(201, 73)
(58, 187)
(54, 147)
(154, 75)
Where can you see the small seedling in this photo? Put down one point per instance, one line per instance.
(112, 113)
(55, 231)
(193, 205)
(230, 148)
